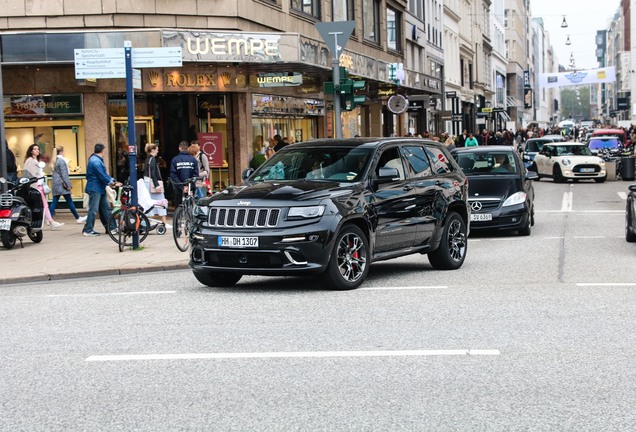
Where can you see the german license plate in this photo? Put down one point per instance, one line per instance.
(587, 169)
(480, 217)
(238, 242)
(5, 224)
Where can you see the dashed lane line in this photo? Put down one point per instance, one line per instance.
(298, 354)
(111, 294)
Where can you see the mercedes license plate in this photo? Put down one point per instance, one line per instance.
(5, 224)
(480, 217)
(587, 169)
(238, 242)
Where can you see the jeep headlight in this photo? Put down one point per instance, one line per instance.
(200, 212)
(305, 212)
(566, 161)
(516, 198)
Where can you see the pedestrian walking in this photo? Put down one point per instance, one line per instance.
(12, 167)
(277, 143)
(153, 181)
(204, 169)
(471, 141)
(61, 185)
(97, 179)
(32, 168)
(182, 167)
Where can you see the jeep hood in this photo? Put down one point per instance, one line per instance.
(283, 191)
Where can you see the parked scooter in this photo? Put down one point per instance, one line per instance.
(21, 212)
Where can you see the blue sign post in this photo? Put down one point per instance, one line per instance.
(132, 145)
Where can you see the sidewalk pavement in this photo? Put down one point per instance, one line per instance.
(66, 253)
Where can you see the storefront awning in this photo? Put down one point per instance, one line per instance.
(512, 101)
(504, 116)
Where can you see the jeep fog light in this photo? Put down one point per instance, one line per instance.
(293, 239)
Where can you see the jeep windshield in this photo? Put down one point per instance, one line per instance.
(338, 164)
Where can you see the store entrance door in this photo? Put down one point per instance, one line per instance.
(144, 133)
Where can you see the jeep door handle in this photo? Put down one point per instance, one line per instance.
(408, 188)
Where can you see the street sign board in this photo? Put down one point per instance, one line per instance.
(136, 79)
(100, 63)
(341, 30)
(111, 62)
(156, 57)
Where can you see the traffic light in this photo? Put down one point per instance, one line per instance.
(346, 90)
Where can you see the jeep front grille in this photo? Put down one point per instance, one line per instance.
(243, 218)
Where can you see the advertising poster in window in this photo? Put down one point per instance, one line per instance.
(212, 145)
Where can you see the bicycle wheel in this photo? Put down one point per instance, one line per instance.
(144, 226)
(181, 229)
(122, 232)
(113, 221)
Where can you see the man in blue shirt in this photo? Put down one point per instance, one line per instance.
(96, 181)
(182, 167)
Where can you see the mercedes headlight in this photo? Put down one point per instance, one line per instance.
(516, 198)
(305, 212)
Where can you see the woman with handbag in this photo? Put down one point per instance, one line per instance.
(32, 168)
(61, 184)
(154, 183)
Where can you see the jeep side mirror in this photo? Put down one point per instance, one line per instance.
(246, 173)
(387, 175)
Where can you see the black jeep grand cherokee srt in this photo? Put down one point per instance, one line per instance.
(331, 208)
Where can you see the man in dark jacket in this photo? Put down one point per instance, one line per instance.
(182, 167)
(12, 169)
(97, 179)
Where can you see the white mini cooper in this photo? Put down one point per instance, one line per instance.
(569, 160)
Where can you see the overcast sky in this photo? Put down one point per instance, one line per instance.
(584, 18)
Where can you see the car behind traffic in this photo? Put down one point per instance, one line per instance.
(630, 215)
(500, 190)
(569, 160)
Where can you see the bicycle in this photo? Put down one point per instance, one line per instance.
(127, 221)
(184, 217)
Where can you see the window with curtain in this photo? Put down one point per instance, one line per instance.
(309, 7)
(393, 29)
(343, 10)
(371, 20)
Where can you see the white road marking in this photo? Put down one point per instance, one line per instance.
(112, 294)
(558, 238)
(589, 237)
(300, 354)
(600, 284)
(404, 288)
(566, 203)
(622, 195)
(581, 211)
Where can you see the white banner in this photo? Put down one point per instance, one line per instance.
(589, 76)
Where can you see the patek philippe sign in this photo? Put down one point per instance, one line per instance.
(43, 105)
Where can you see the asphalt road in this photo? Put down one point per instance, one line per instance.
(532, 333)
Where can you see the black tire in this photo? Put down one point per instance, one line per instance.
(451, 252)
(8, 239)
(557, 175)
(217, 279)
(121, 233)
(349, 263)
(629, 235)
(181, 229)
(36, 237)
(600, 180)
(161, 229)
(535, 168)
(526, 230)
(113, 220)
(144, 226)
